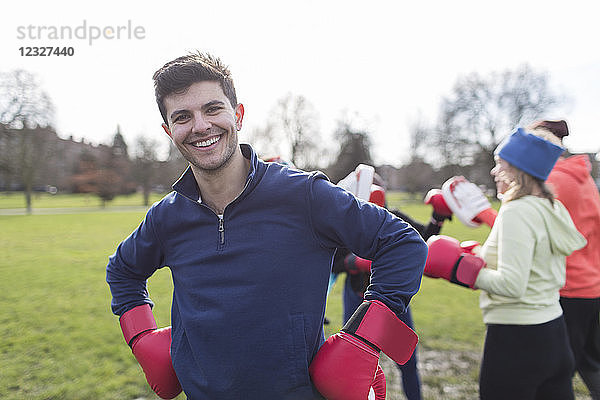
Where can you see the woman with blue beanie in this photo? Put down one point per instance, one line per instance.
(520, 270)
(526, 352)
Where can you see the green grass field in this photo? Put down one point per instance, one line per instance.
(61, 341)
(12, 200)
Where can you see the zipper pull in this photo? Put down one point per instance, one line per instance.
(221, 230)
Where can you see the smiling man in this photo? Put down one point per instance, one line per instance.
(203, 124)
(250, 246)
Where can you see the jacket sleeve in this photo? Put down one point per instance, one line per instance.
(417, 225)
(128, 269)
(396, 249)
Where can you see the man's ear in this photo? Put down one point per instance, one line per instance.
(166, 128)
(239, 116)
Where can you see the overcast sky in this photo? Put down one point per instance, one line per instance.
(385, 62)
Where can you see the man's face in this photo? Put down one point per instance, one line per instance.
(203, 125)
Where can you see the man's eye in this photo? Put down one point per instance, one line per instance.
(181, 118)
(213, 110)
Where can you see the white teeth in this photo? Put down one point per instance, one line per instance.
(208, 142)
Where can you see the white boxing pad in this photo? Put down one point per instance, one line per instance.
(364, 177)
(358, 182)
(349, 182)
(465, 199)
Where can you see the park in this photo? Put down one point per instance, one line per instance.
(61, 341)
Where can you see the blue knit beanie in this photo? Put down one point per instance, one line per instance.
(529, 153)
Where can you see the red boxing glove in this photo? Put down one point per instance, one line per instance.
(152, 349)
(441, 211)
(453, 261)
(377, 195)
(354, 264)
(379, 385)
(487, 216)
(346, 366)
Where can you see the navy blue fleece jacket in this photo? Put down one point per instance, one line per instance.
(250, 289)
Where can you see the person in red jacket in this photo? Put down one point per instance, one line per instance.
(573, 186)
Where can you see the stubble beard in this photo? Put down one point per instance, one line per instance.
(211, 168)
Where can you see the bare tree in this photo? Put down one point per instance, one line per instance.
(145, 165)
(417, 177)
(355, 148)
(482, 110)
(90, 177)
(116, 158)
(297, 118)
(24, 107)
(418, 131)
(6, 157)
(102, 172)
(23, 102)
(266, 141)
(292, 133)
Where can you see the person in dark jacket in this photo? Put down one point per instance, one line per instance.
(250, 247)
(358, 275)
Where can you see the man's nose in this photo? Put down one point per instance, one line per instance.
(201, 124)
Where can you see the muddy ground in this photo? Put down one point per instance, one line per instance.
(447, 375)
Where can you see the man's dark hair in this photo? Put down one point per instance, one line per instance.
(178, 75)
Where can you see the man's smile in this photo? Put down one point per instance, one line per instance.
(206, 142)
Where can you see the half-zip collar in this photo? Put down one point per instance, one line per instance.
(186, 184)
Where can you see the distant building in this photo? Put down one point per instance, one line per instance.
(54, 159)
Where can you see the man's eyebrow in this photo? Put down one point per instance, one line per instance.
(213, 103)
(204, 107)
